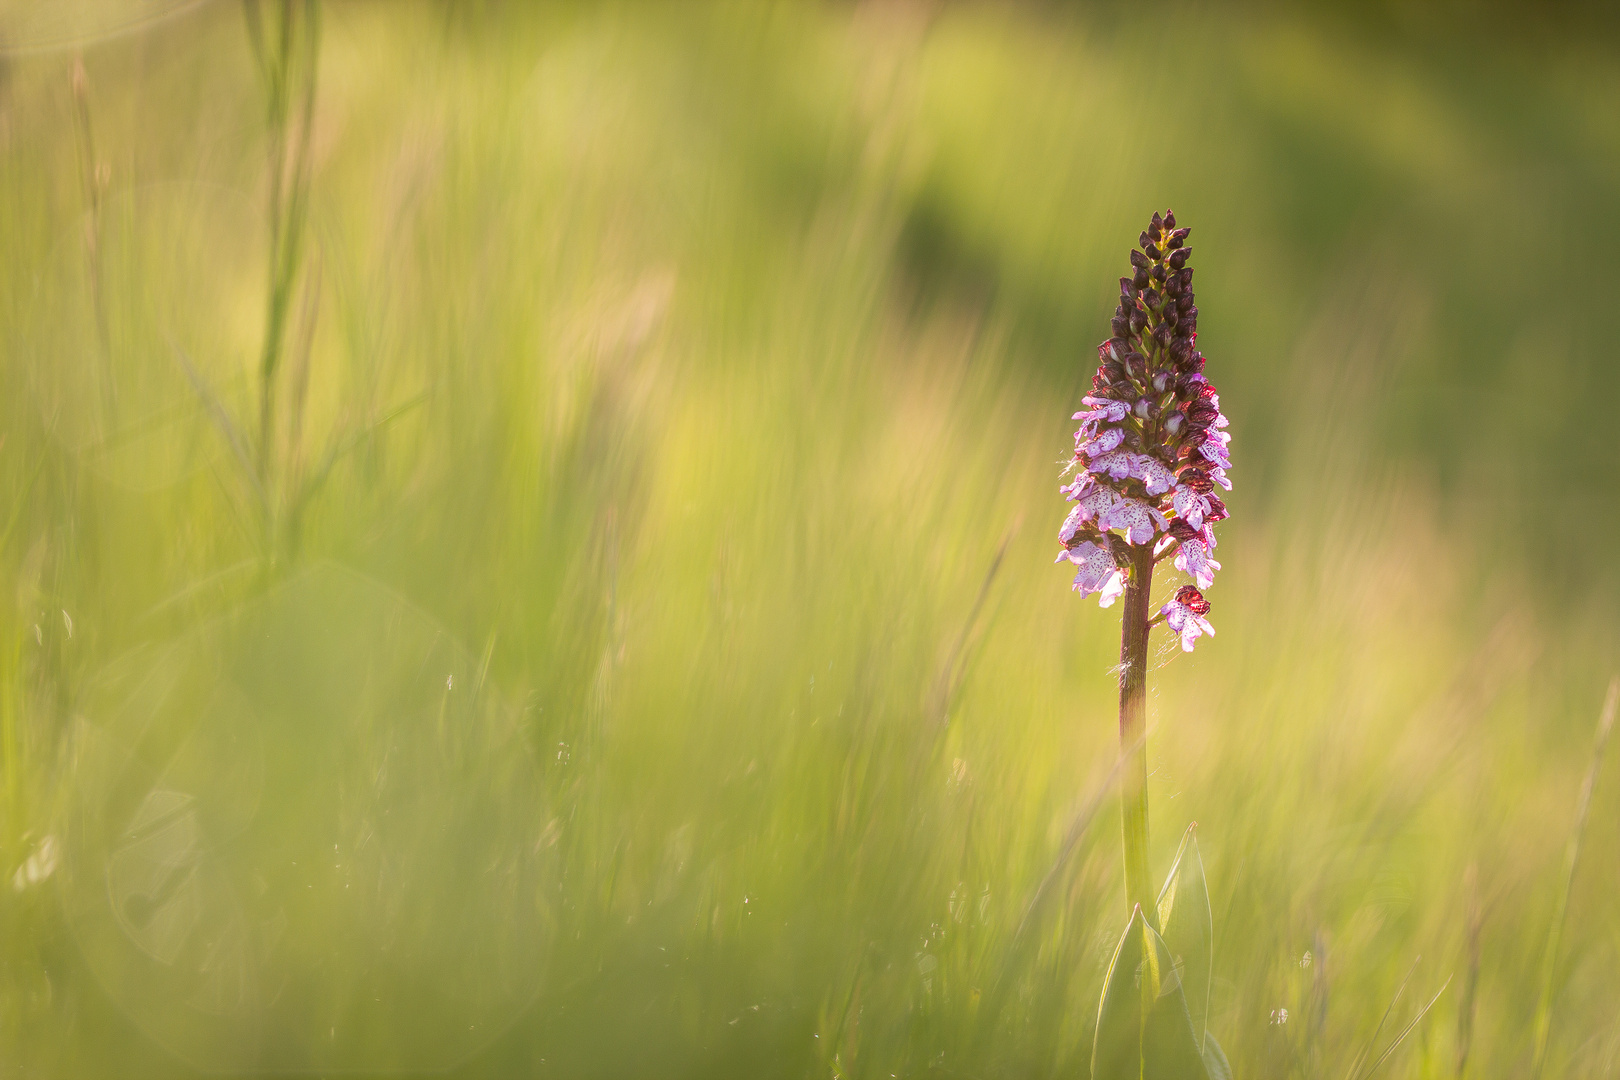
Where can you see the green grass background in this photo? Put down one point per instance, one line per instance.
(675, 374)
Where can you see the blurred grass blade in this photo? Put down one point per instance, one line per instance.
(1215, 1059)
(1186, 922)
(1572, 860)
(222, 419)
(21, 501)
(950, 675)
(339, 449)
(1407, 1030)
(1470, 988)
(1355, 1064)
(1013, 955)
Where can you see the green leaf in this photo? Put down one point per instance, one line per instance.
(1143, 1029)
(1169, 1045)
(1117, 1052)
(1215, 1059)
(1186, 922)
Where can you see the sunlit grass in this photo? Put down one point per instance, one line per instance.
(679, 382)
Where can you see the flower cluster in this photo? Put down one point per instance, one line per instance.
(1152, 446)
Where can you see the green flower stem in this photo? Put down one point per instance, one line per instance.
(1133, 651)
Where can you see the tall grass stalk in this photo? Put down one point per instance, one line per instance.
(1470, 988)
(1405, 1031)
(1572, 861)
(286, 46)
(93, 180)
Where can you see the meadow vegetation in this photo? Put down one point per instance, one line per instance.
(633, 648)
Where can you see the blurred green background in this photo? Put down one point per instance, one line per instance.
(635, 650)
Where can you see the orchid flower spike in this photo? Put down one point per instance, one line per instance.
(1152, 445)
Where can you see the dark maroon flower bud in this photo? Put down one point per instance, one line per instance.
(1157, 273)
(1136, 365)
(1217, 509)
(1140, 281)
(1139, 260)
(1181, 234)
(1099, 383)
(1191, 442)
(1138, 320)
(1193, 600)
(1152, 252)
(1187, 386)
(1185, 303)
(1170, 315)
(1156, 222)
(1161, 334)
(1144, 241)
(1150, 297)
(1169, 219)
(1201, 413)
(1182, 531)
(1178, 257)
(1195, 479)
(1121, 324)
(1133, 440)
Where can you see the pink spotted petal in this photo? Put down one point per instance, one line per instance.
(1215, 453)
(1095, 568)
(1155, 476)
(1193, 559)
(1103, 443)
(1192, 629)
(1137, 521)
(1183, 621)
(1190, 505)
(1071, 526)
(1118, 465)
(1112, 589)
(1097, 501)
(1113, 410)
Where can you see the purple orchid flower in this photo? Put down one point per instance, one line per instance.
(1152, 447)
(1185, 615)
(1097, 572)
(1194, 560)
